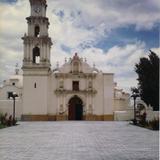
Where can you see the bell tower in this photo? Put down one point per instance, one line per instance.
(36, 61)
(37, 43)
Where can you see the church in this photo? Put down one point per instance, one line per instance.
(73, 91)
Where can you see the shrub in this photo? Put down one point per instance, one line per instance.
(154, 124)
(142, 120)
(4, 121)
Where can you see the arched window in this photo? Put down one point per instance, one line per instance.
(36, 31)
(36, 55)
(61, 84)
(75, 85)
(90, 84)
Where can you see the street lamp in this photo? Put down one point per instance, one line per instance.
(13, 95)
(135, 95)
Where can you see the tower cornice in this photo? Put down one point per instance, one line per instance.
(41, 39)
(35, 2)
(40, 19)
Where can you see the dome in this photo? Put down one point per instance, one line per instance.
(55, 71)
(95, 72)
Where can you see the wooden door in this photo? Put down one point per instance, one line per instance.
(75, 109)
(71, 115)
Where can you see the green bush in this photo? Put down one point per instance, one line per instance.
(2, 126)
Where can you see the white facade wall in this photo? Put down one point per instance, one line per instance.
(98, 100)
(43, 99)
(108, 93)
(6, 106)
(9, 88)
(35, 99)
(120, 104)
(52, 100)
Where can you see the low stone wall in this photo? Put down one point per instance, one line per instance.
(152, 115)
(129, 114)
(123, 115)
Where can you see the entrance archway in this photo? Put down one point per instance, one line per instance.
(75, 109)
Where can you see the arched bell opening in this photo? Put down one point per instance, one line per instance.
(36, 55)
(36, 31)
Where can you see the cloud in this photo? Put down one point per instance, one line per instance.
(77, 26)
(81, 23)
(119, 60)
(156, 50)
(109, 14)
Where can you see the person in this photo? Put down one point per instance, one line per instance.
(9, 122)
(143, 118)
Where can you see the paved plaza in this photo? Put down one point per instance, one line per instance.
(78, 140)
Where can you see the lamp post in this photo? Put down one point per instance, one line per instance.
(134, 95)
(13, 95)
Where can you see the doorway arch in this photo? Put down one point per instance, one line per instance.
(75, 110)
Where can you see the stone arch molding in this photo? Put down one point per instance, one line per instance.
(82, 97)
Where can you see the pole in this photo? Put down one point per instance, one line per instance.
(14, 108)
(135, 110)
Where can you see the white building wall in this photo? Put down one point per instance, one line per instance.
(6, 106)
(108, 93)
(53, 99)
(35, 99)
(99, 103)
(9, 88)
(121, 104)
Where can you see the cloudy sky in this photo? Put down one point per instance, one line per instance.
(113, 34)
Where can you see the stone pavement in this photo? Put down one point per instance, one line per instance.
(78, 140)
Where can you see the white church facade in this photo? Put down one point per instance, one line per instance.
(73, 91)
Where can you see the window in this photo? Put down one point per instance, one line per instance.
(36, 55)
(35, 85)
(13, 84)
(75, 85)
(10, 94)
(36, 31)
(61, 84)
(90, 84)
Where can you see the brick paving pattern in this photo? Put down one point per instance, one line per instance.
(78, 140)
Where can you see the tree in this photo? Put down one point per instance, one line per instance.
(148, 79)
(134, 90)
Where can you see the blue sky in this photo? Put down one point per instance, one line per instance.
(9, 1)
(111, 34)
(129, 34)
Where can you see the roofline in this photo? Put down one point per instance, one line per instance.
(108, 73)
(12, 86)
